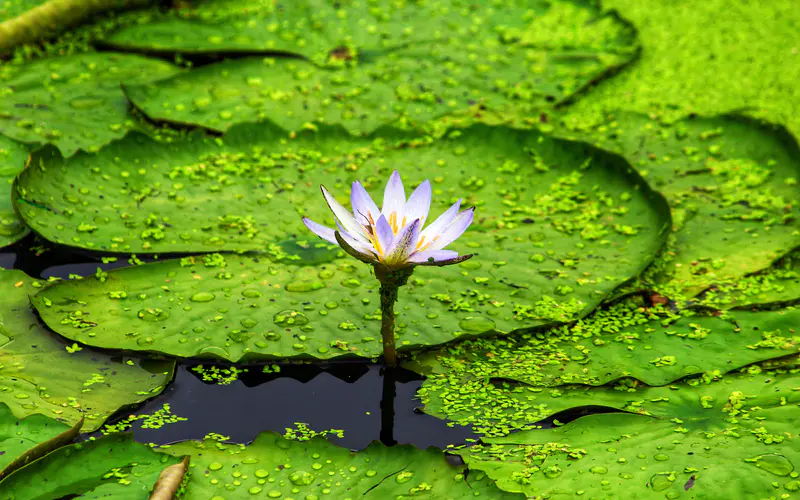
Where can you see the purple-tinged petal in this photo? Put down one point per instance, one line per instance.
(384, 235)
(454, 230)
(364, 209)
(323, 232)
(405, 243)
(365, 248)
(394, 198)
(440, 224)
(447, 262)
(343, 215)
(352, 251)
(436, 255)
(418, 205)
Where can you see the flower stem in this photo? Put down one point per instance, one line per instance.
(388, 298)
(391, 280)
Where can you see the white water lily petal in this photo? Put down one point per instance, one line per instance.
(436, 255)
(441, 223)
(394, 197)
(454, 230)
(394, 237)
(344, 216)
(384, 236)
(364, 209)
(365, 249)
(404, 244)
(418, 204)
(323, 232)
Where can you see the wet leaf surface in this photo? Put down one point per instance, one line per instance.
(275, 467)
(365, 65)
(731, 437)
(43, 374)
(731, 184)
(652, 346)
(74, 102)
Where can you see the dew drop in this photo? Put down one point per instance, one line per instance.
(304, 286)
(774, 463)
(598, 469)
(476, 324)
(661, 482)
(301, 478)
(202, 297)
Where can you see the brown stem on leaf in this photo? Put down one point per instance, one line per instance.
(52, 17)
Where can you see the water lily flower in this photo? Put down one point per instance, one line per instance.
(394, 239)
(395, 236)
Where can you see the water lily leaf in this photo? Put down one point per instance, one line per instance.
(583, 222)
(497, 408)
(274, 467)
(40, 374)
(109, 467)
(734, 438)
(75, 101)
(13, 156)
(364, 66)
(731, 184)
(30, 438)
(623, 341)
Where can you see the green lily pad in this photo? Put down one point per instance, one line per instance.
(13, 156)
(276, 467)
(25, 440)
(623, 341)
(731, 183)
(497, 408)
(363, 65)
(75, 101)
(40, 375)
(733, 438)
(109, 467)
(585, 224)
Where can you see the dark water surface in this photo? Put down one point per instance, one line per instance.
(332, 395)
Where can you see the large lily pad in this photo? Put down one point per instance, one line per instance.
(365, 65)
(13, 156)
(624, 341)
(731, 184)
(40, 375)
(109, 467)
(496, 408)
(275, 467)
(582, 220)
(73, 102)
(734, 438)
